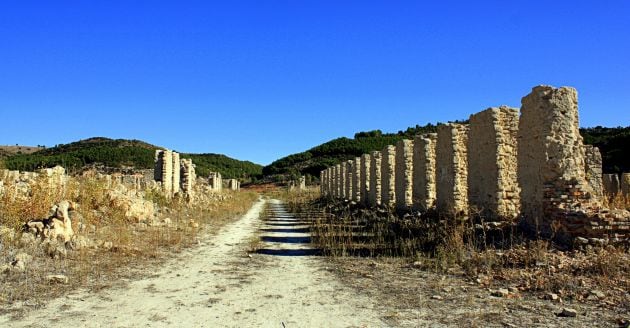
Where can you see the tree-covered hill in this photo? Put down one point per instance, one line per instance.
(124, 153)
(614, 144)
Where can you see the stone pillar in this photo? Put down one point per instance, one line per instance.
(176, 173)
(188, 176)
(611, 184)
(388, 171)
(404, 174)
(551, 158)
(492, 165)
(158, 163)
(625, 185)
(356, 179)
(375, 192)
(342, 180)
(365, 178)
(216, 181)
(452, 169)
(333, 181)
(593, 169)
(424, 171)
(348, 181)
(164, 170)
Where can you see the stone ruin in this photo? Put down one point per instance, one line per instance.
(532, 169)
(175, 175)
(300, 184)
(215, 181)
(188, 177)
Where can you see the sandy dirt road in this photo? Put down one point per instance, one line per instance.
(219, 285)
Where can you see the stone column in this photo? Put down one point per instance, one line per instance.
(404, 174)
(158, 163)
(551, 157)
(342, 180)
(493, 190)
(611, 185)
(452, 169)
(388, 171)
(188, 176)
(356, 179)
(593, 169)
(375, 192)
(365, 178)
(176, 173)
(424, 171)
(348, 181)
(625, 185)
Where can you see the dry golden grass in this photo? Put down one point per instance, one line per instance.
(134, 246)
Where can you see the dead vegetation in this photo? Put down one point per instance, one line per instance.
(384, 249)
(108, 246)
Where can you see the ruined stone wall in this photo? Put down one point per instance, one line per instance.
(625, 185)
(233, 184)
(611, 184)
(452, 169)
(176, 173)
(348, 182)
(164, 170)
(215, 181)
(593, 169)
(365, 178)
(356, 179)
(551, 157)
(388, 172)
(375, 192)
(404, 174)
(188, 177)
(424, 171)
(493, 188)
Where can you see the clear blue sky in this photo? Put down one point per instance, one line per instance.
(259, 80)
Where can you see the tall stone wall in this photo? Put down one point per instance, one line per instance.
(551, 157)
(176, 173)
(452, 169)
(348, 181)
(366, 160)
(375, 192)
(356, 179)
(492, 165)
(593, 169)
(188, 176)
(424, 171)
(404, 174)
(388, 179)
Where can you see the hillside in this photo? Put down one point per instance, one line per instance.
(124, 153)
(612, 142)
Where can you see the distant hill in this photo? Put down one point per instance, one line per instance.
(125, 153)
(614, 143)
(18, 149)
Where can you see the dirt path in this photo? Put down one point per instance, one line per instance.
(218, 285)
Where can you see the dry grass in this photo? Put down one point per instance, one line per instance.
(134, 246)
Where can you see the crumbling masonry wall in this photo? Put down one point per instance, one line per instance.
(452, 169)
(342, 180)
(404, 174)
(356, 179)
(424, 171)
(164, 170)
(492, 165)
(188, 177)
(551, 158)
(176, 173)
(348, 182)
(611, 184)
(374, 194)
(388, 179)
(593, 169)
(625, 185)
(365, 178)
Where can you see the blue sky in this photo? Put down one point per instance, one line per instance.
(259, 80)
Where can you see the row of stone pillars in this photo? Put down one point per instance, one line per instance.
(499, 166)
